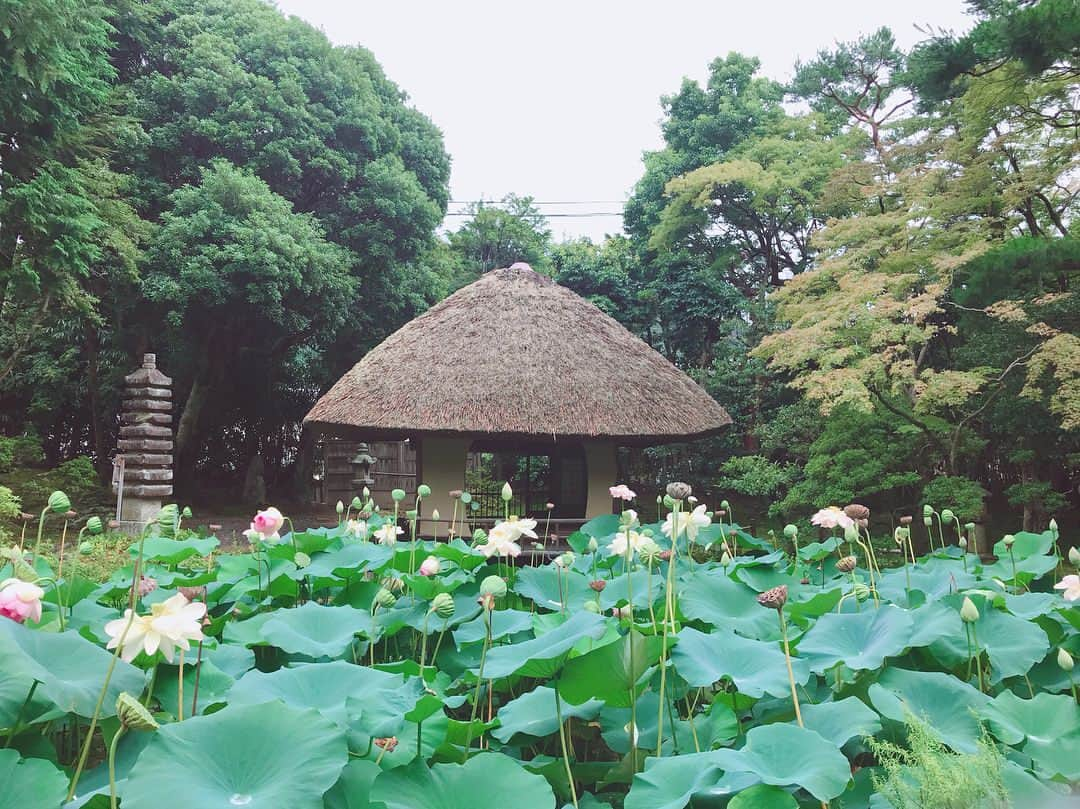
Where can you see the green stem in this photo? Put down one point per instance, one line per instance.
(112, 766)
(150, 688)
(479, 681)
(562, 743)
(978, 655)
(180, 689)
(790, 672)
(17, 727)
(669, 621)
(423, 644)
(40, 528)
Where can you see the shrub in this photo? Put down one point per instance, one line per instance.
(963, 495)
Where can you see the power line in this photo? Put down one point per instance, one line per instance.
(534, 202)
(555, 215)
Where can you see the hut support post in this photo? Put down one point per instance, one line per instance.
(601, 469)
(441, 463)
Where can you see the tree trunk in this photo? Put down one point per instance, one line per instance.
(92, 347)
(187, 428)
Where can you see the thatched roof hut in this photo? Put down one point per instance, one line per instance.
(514, 359)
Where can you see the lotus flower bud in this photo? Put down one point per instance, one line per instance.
(493, 586)
(94, 526)
(397, 495)
(846, 564)
(962, 542)
(906, 519)
(443, 606)
(625, 612)
(597, 585)
(691, 499)
(466, 498)
(725, 558)
(1074, 557)
(366, 492)
(666, 554)
(70, 515)
(435, 515)
(1008, 540)
(357, 503)
(86, 547)
(549, 506)
(969, 613)
(928, 511)
(133, 715)
(774, 599)
(565, 560)
(1065, 660)
(507, 493)
(851, 533)
(384, 598)
(679, 490)
(1053, 528)
(301, 560)
(340, 507)
(186, 513)
(147, 585)
(430, 566)
(593, 545)
(591, 606)
(899, 535)
(193, 593)
(725, 505)
(947, 516)
(387, 743)
(59, 502)
(791, 531)
(928, 521)
(423, 490)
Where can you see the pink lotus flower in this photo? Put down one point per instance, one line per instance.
(832, 517)
(267, 523)
(622, 492)
(20, 600)
(1071, 585)
(429, 567)
(147, 585)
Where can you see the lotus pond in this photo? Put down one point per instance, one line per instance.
(683, 663)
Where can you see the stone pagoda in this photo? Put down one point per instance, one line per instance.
(144, 452)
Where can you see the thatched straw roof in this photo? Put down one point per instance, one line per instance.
(515, 355)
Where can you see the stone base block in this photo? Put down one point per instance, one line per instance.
(139, 510)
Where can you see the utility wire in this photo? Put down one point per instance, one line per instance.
(588, 215)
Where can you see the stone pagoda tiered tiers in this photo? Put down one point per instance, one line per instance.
(146, 444)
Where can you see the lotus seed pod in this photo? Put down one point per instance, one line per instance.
(947, 516)
(493, 586)
(411, 514)
(397, 495)
(846, 564)
(898, 535)
(133, 715)
(725, 558)
(962, 542)
(466, 498)
(357, 503)
(59, 502)
(591, 606)
(423, 490)
(167, 519)
(340, 507)
(857, 511)
(1065, 660)
(906, 519)
(725, 505)
(774, 599)
(475, 505)
(566, 559)
(851, 533)
(443, 606)
(649, 552)
(969, 526)
(969, 613)
(928, 521)
(668, 501)
(384, 598)
(593, 545)
(507, 493)
(791, 531)
(186, 513)
(861, 591)
(86, 547)
(1074, 557)
(679, 490)
(1008, 539)
(94, 526)
(928, 511)
(301, 559)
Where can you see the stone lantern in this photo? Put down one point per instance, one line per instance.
(144, 451)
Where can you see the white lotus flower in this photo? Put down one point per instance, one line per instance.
(356, 528)
(1071, 585)
(171, 623)
(624, 539)
(523, 528)
(832, 517)
(688, 522)
(501, 540)
(388, 534)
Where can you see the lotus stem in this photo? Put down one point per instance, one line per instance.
(180, 689)
(112, 765)
(480, 681)
(562, 744)
(423, 643)
(669, 621)
(790, 671)
(26, 703)
(40, 528)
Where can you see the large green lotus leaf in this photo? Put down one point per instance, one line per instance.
(543, 656)
(266, 756)
(533, 714)
(718, 600)
(1025, 544)
(612, 672)
(354, 786)
(171, 551)
(31, 783)
(933, 580)
(859, 640)
(248, 632)
(933, 621)
(548, 588)
(1027, 570)
(1025, 790)
(316, 630)
(214, 685)
(763, 796)
(815, 551)
(601, 527)
(616, 591)
(756, 667)
(948, 705)
(674, 781)
(1047, 727)
(70, 671)
(486, 781)
(787, 755)
(231, 659)
(503, 623)
(349, 561)
(841, 721)
(1031, 605)
(1012, 644)
(340, 691)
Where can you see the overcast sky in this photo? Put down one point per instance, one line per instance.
(558, 99)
